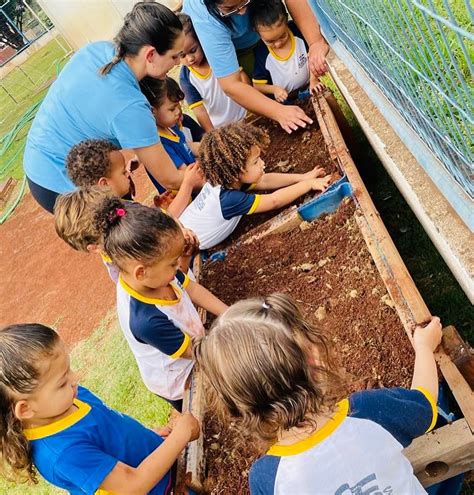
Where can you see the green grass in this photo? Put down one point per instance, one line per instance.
(109, 370)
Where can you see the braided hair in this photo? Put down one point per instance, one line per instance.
(224, 152)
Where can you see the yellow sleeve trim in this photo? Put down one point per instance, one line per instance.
(182, 348)
(185, 281)
(260, 81)
(432, 402)
(256, 202)
(251, 187)
(197, 104)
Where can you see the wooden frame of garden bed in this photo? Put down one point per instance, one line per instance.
(441, 454)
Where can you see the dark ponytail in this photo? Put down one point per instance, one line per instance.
(134, 231)
(22, 347)
(148, 23)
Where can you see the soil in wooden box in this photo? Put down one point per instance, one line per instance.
(326, 266)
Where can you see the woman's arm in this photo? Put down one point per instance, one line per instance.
(203, 118)
(128, 480)
(160, 165)
(307, 23)
(290, 117)
(205, 299)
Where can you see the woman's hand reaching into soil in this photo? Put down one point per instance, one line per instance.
(291, 117)
(320, 184)
(313, 174)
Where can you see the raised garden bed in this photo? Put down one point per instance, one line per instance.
(336, 263)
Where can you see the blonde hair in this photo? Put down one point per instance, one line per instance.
(74, 216)
(259, 365)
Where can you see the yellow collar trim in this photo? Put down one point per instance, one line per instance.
(62, 424)
(105, 257)
(292, 50)
(198, 74)
(151, 300)
(169, 135)
(316, 437)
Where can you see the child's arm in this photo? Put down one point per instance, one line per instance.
(279, 93)
(205, 299)
(288, 194)
(425, 342)
(316, 87)
(125, 479)
(245, 78)
(203, 118)
(277, 180)
(194, 147)
(192, 179)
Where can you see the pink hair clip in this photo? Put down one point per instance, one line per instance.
(120, 212)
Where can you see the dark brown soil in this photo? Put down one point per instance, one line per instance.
(326, 267)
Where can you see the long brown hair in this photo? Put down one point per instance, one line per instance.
(22, 347)
(259, 363)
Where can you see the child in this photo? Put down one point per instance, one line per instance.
(51, 424)
(99, 162)
(281, 57)
(316, 445)
(204, 95)
(164, 98)
(231, 163)
(75, 224)
(154, 299)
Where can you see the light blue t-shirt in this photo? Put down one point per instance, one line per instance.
(218, 40)
(82, 104)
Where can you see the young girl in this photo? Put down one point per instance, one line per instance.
(154, 299)
(204, 95)
(280, 389)
(51, 424)
(231, 163)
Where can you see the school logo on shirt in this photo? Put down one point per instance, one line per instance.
(366, 486)
(302, 60)
(200, 201)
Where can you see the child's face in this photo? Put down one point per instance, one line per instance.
(275, 36)
(254, 167)
(163, 271)
(119, 177)
(168, 113)
(55, 393)
(159, 65)
(192, 52)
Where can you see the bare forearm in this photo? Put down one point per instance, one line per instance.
(305, 19)
(203, 118)
(205, 299)
(266, 89)
(181, 201)
(276, 180)
(425, 373)
(282, 197)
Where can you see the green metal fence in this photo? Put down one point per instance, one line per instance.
(420, 54)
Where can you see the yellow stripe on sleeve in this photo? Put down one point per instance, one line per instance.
(185, 281)
(256, 202)
(182, 348)
(260, 81)
(434, 408)
(197, 104)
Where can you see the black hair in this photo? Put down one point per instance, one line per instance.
(148, 23)
(211, 6)
(134, 231)
(156, 90)
(188, 27)
(267, 13)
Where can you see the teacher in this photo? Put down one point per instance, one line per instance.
(225, 33)
(97, 96)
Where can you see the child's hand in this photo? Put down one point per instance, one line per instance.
(313, 174)
(320, 184)
(193, 176)
(280, 94)
(189, 425)
(163, 200)
(316, 87)
(191, 242)
(429, 336)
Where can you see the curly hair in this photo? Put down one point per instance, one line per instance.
(224, 152)
(74, 216)
(134, 231)
(89, 160)
(274, 382)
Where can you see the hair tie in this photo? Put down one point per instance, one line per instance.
(120, 212)
(265, 305)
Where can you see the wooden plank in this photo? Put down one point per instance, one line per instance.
(461, 354)
(284, 221)
(442, 453)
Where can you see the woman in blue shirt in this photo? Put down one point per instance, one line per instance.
(226, 35)
(97, 95)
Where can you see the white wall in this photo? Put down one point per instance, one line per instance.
(83, 21)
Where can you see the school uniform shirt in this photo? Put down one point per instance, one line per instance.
(81, 104)
(358, 451)
(174, 143)
(215, 213)
(290, 73)
(111, 268)
(159, 332)
(204, 89)
(78, 452)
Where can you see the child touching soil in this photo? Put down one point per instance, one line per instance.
(154, 299)
(51, 424)
(279, 387)
(232, 166)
